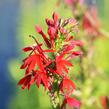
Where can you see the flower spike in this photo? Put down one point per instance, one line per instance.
(50, 67)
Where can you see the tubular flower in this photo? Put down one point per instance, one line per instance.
(72, 102)
(90, 22)
(67, 86)
(50, 67)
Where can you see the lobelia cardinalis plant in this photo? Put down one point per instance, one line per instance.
(50, 67)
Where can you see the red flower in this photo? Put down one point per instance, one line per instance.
(31, 61)
(67, 87)
(49, 22)
(25, 82)
(41, 78)
(72, 102)
(68, 47)
(91, 22)
(61, 65)
(39, 30)
(55, 18)
(30, 48)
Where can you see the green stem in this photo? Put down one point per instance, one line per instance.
(58, 101)
(55, 100)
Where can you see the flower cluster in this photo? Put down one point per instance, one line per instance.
(49, 67)
(90, 22)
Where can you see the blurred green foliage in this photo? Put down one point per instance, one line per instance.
(34, 12)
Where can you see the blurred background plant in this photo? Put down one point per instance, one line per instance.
(17, 20)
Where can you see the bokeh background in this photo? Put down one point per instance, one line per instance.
(17, 20)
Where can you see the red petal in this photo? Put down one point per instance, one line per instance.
(72, 102)
(25, 81)
(66, 63)
(77, 43)
(27, 49)
(67, 86)
(38, 81)
(25, 63)
(38, 28)
(31, 61)
(32, 81)
(73, 54)
(76, 53)
(55, 17)
(49, 22)
(32, 65)
(41, 77)
(51, 32)
(23, 66)
(65, 69)
(21, 81)
(61, 65)
(39, 62)
(44, 80)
